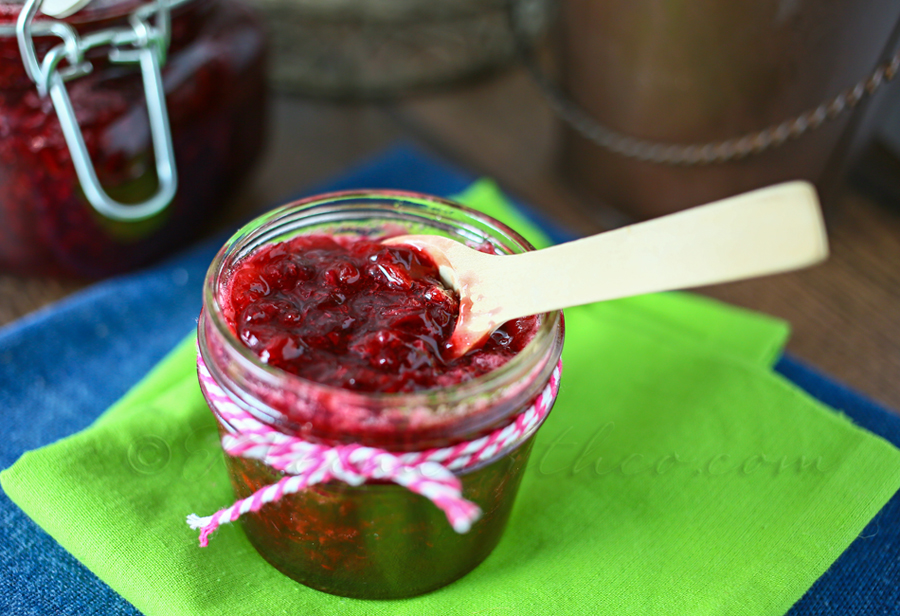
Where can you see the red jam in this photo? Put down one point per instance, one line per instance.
(214, 81)
(356, 320)
(356, 314)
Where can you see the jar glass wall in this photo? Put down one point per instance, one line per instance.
(214, 82)
(377, 540)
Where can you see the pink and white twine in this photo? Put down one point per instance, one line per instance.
(429, 473)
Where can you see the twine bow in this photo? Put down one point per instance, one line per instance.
(429, 473)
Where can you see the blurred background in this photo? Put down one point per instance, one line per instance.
(595, 112)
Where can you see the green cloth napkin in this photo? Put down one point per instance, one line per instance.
(676, 475)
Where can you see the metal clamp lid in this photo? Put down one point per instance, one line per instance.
(141, 42)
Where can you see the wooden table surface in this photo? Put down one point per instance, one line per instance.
(845, 314)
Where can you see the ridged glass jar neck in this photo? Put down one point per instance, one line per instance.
(398, 422)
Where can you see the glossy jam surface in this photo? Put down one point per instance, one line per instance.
(214, 81)
(353, 313)
(357, 319)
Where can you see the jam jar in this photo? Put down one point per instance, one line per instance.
(376, 540)
(123, 127)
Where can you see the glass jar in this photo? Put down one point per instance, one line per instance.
(377, 540)
(214, 99)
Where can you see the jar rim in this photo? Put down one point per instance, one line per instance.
(541, 346)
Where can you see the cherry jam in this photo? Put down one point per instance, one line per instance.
(354, 313)
(323, 333)
(214, 80)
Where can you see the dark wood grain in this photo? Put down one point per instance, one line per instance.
(845, 314)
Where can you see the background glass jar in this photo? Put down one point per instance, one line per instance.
(378, 540)
(214, 84)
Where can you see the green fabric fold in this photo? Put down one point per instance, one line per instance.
(677, 475)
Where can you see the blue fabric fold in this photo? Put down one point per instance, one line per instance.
(62, 366)
(865, 579)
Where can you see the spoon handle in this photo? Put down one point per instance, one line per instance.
(766, 231)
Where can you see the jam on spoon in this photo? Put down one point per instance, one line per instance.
(766, 231)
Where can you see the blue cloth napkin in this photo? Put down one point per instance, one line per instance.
(62, 366)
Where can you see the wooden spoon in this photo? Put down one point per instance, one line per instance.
(766, 231)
